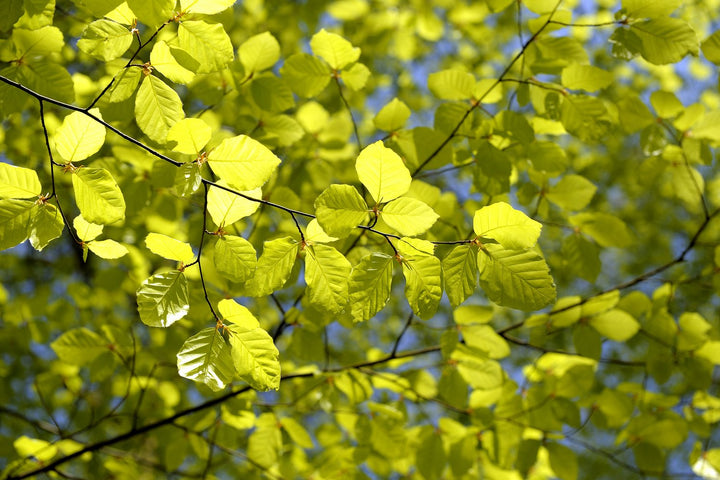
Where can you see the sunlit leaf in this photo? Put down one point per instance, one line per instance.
(163, 299)
(206, 358)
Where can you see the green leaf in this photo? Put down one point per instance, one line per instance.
(665, 40)
(39, 42)
(163, 299)
(581, 257)
(152, 13)
(42, 450)
(105, 40)
(157, 108)
(476, 369)
(174, 63)
(511, 228)
(607, 230)
(563, 461)
(190, 135)
(79, 136)
(585, 117)
(392, 116)
(297, 432)
(125, 84)
(18, 182)
(207, 43)
(243, 162)
(572, 192)
(711, 47)
(108, 249)
(226, 208)
(259, 52)
(334, 49)
(235, 313)
(305, 74)
(423, 283)
(170, 248)
(339, 209)
(206, 7)
(255, 357)
(693, 331)
(271, 93)
(326, 274)
(370, 285)
(206, 358)
(79, 346)
(235, 258)
(452, 85)
(460, 273)
(356, 76)
(46, 224)
(548, 157)
(382, 172)
(44, 77)
(430, 456)
(15, 218)
(515, 278)
(666, 104)
(86, 231)
(273, 266)
(615, 324)
(98, 196)
(408, 216)
(265, 441)
(586, 77)
(649, 8)
(484, 338)
(492, 173)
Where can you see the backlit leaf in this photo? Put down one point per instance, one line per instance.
(369, 286)
(255, 357)
(108, 249)
(243, 162)
(79, 346)
(190, 135)
(105, 40)
(665, 40)
(259, 52)
(163, 299)
(460, 273)
(273, 266)
(452, 84)
(515, 278)
(305, 74)
(98, 196)
(226, 208)
(79, 136)
(206, 358)
(157, 108)
(511, 228)
(326, 274)
(382, 172)
(170, 248)
(15, 218)
(339, 209)
(392, 116)
(18, 182)
(46, 224)
(334, 49)
(235, 258)
(409, 216)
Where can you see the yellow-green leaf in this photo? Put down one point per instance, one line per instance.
(306, 75)
(383, 172)
(370, 285)
(409, 216)
(168, 247)
(86, 231)
(423, 282)
(206, 358)
(157, 108)
(235, 313)
(255, 357)
(665, 40)
(163, 59)
(18, 182)
(207, 43)
(190, 135)
(79, 346)
(235, 258)
(586, 77)
(79, 136)
(273, 266)
(46, 224)
(14, 222)
(326, 274)
(243, 162)
(452, 84)
(98, 196)
(152, 13)
(206, 7)
(515, 278)
(615, 324)
(108, 249)
(163, 299)
(226, 208)
(339, 209)
(105, 40)
(334, 49)
(259, 52)
(511, 228)
(460, 273)
(572, 192)
(392, 116)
